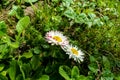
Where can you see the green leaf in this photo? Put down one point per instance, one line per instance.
(3, 77)
(44, 77)
(67, 3)
(3, 28)
(14, 44)
(2, 67)
(48, 69)
(4, 73)
(26, 68)
(16, 11)
(13, 11)
(35, 62)
(93, 67)
(117, 78)
(19, 77)
(81, 18)
(36, 50)
(2, 33)
(107, 75)
(28, 79)
(12, 70)
(75, 72)
(20, 64)
(6, 39)
(30, 1)
(22, 24)
(70, 13)
(27, 54)
(23, 74)
(92, 59)
(106, 62)
(82, 77)
(106, 18)
(63, 70)
(92, 16)
(3, 50)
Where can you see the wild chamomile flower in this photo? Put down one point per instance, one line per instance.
(74, 53)
(56, 37)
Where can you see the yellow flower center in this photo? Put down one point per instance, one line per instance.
(57, 38)
(74, 51)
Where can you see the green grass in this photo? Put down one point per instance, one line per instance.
(92, 25)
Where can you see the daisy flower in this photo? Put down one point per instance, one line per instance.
(74, 53)
(56, 37)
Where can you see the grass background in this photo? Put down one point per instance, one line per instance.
(92, 25)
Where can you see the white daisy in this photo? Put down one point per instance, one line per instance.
(56, 37)
(74, 53)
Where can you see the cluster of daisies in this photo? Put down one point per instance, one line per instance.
(57, 38)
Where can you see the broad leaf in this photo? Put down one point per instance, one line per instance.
(14, 44)
(27, 54)
(63, 72)
(2, 67)
(106, 63)
(75, 72)
(12, 70)
(22, 24)
(92, 59)
(82, 77)
(93, 67)
(35, 62)
(70, 13)
(13, 10)
(44, 77)
(3, 28)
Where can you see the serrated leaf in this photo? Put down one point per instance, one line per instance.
(63, 72)
(75, 72)
(22, 24)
